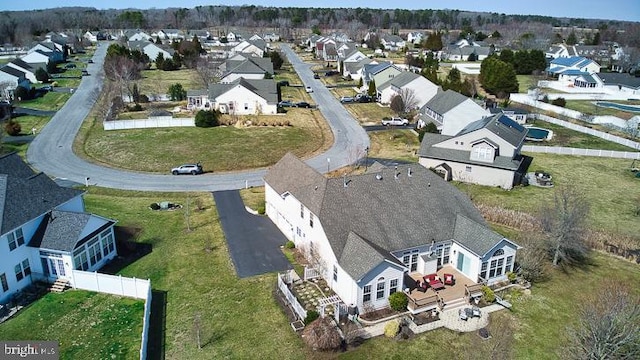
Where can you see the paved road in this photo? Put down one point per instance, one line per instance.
(254, 241)
(51, 151)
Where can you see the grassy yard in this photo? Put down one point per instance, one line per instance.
(194, 269)
(28, 122)
(369, 112)
(589, 108)
(608, 185)
(563, 136)
(50, 101)
(394, 144)
(525, 82)
(221, 148)
(20, 148)
(87, 325)
(156, 82)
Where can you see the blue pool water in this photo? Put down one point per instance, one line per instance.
(537, 134)
(622, 107)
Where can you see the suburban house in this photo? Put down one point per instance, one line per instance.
(152, 50)
(249, 68)
(392, 42)
(621, 82)
(418, 88)
(568, 69)
(36, 59)
(170, 34)
(379, 73)
(14, 77)
(560, 51)
(202, 35)
(29, 72)
(467, 53)
(91, 36)
(369, 234)
(240, 97)
(135, 35)
(451, 112)
(486, 152)
(354, 69)
(515, 114)
(415, 37)
(255, 48)
(45, 232)
(49, 49)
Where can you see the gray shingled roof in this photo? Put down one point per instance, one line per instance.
(620, 79)
(21, 63)
(265, 88)
(502, 126)
(13, 71)
(25, 195)
(475, 237)
(390, 213)
(400, 80)
(62, 230)
(353, 67)
(444, 101)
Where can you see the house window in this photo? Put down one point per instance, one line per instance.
(80, 261)
(492, 268)
(335, 273)
(5, 284)
(509, 264)
(380, 289)
(483, 270)
(410, 259)
(467, 169)
(483, 153)
(301, 211)
(108, 244)
(393, 286)
(366, 294)
(500, 267)
(22, 270)
(95, 252)
(498, 252)
(311, 219)
(15, 239)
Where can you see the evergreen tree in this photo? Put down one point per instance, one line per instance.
(572, 39)
(42, 75)
(498, 77)
(372, 89)
(433, 42)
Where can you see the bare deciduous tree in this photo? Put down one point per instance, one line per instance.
(409, 99)
(607, 326)
(563, 222)
(206, 72)
(531, 260)
(123, 71)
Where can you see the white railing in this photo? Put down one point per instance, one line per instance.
(118, 285)
(581, 152)
(154, 122)
(310, 273)
(293, 301)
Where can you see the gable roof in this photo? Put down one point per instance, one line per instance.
(444, 101)
(408, 210)
(13, 71)
(623, 79)
(475, 237)
(249, 66)
(63, 230)
(25, 195)
(20, 63)
(401, 80)
(360, 256)
(501, 125)
(572, 61)
(265, 88)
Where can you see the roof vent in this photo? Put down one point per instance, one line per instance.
(379, 176)
(345, 182)
(315, 188)
(429, 185)
(395, 175)
(409, 172)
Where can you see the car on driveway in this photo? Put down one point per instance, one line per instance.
(346, 99)
(397, 121)
(47, 88)
(193, 169)
(85, 73)
(303, 104)
(308, 89)
(364, 99)
(285, 103)
(316, 76)
(90, 61)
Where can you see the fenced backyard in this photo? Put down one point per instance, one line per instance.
(152, 122)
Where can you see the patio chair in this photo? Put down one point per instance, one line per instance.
(449, 279)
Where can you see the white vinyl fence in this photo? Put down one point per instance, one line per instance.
(581, 152)
(310, 273)
(291, 299)
(122, 286)
(153, 122)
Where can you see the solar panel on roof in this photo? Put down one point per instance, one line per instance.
(504, 120)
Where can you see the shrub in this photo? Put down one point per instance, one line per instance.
(22, 93)
(559, 102)
(311, 316)
(290, 245)
(488, 294)
(154, 206)
(545, 99)
(391, 328)
(511, 276)
(261, 209)
(12, 128)
(398, 301)
(322, 335)
(136, 107)
(206, 118)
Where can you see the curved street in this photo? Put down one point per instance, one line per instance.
(52, 150)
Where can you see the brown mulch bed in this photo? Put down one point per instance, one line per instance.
(378, 314)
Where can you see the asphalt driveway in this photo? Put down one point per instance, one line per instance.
(254, 241)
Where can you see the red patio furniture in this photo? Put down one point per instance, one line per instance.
(434, 281)
(449, 279)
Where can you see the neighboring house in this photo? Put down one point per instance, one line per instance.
(560, 51)
(415, 37)
(202, 35)
(170, 34)
(515, 114)
(451, 112)
(486, 152)
(15, 77)
(367, 233)
(91, 36)
(621, 82)
(392, 42)
(379, 73)
(250, 68)
(465, 53)
(135, 35)
(231, 37)
(151, 49)
(270, 37)
(356, 68)
(255, 48)
(45, 232)
(50, 49)
(29, 72)
(421, 90)
(241, 97)
(579, 63)
(36, 60)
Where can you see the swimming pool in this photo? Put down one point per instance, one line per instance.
(622, 107)
(538, 134)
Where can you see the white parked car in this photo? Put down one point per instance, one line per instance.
(309, 89)
(193, 169)
(395, 121)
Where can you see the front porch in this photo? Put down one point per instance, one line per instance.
(451, 296)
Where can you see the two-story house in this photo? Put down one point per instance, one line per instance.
(379, 73)
(486, 152)
(451, 112)
(368, 233)
(45, 232)
(418, 88)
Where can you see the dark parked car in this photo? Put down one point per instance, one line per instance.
(303, 104)
(331, 73)
(90, 61)
(47, 88)
(85, 73)
(283, 83)
(285, 103)
(316, 76)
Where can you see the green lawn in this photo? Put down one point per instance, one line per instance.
(563, 136)
(525, 82)
(156, 82)
(194, 269)
(87, 325)
(50, 101)
(400, 144)
(588, 107)
(369, 112)
(28, 122)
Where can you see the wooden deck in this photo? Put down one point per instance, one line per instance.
(422, 301)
